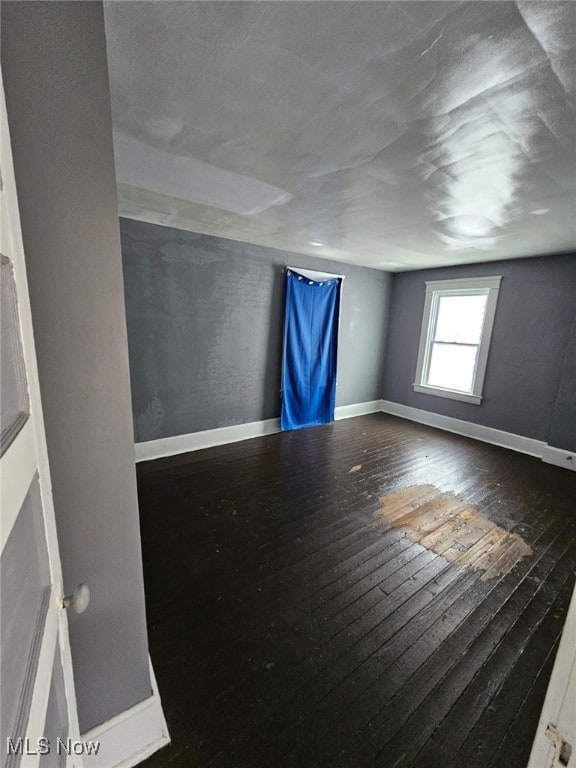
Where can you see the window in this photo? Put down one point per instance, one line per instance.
(456, 329)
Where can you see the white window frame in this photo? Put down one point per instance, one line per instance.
(435, 289)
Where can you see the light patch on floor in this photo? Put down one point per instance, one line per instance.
(446, 525)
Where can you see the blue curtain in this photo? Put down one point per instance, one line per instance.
(310, 345)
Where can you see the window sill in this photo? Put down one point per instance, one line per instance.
(449, 393)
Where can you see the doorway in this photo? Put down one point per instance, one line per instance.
(309, 359)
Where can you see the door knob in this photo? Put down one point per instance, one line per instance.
(79, 599)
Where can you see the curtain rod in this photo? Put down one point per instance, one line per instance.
(314, 274)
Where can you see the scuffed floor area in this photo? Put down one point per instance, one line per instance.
(445, 525)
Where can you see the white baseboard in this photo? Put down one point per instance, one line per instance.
(358, 409)
(171, 446)
(466, 428)
(195, 441)
(537, 448)
(559, 457)
(130, 737)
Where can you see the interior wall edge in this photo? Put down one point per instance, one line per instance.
(131, 736)
(55, 77)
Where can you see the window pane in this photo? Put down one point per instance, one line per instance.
(460, 318)
(452, 367)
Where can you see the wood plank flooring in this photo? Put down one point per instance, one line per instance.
(371, 592)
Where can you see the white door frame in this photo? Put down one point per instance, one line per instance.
(558, 719)
(27, 455)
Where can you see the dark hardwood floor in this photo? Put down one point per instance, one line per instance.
(300, 616)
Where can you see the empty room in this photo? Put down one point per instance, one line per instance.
(288, 394)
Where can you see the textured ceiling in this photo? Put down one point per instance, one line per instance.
(395, 135)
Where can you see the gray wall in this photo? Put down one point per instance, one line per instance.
(563, 426)
(530, 382)
(56, 83)
(205, 318)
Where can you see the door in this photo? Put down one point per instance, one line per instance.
(309, 357)
(555, 742)
(38, 718)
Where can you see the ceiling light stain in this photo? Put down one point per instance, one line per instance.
(436, 135)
